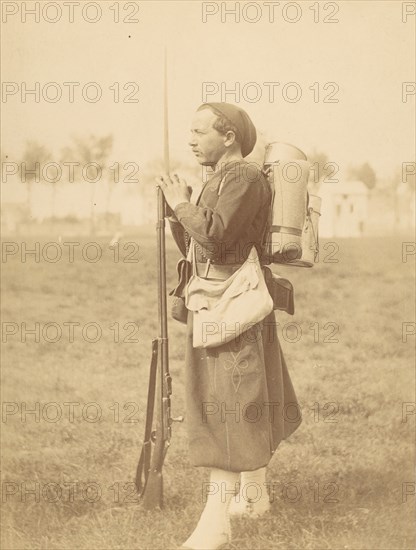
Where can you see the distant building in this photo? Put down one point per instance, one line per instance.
(405, 207)
(344, 209)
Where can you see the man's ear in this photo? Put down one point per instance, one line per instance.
(229, 138)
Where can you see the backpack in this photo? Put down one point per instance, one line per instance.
(292, 233)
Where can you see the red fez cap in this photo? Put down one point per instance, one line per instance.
(239, 118)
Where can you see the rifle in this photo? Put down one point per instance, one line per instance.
(149, 478)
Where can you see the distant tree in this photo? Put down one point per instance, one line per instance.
(192, 173)
(88, 151)
(364, 173)
(321, 169)
(403, 177)
(35, 156)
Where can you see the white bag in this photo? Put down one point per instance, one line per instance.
(224, 310)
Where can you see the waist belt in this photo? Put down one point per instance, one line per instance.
(286, 230)
(215, 271)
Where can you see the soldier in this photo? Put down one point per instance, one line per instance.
(240, 402)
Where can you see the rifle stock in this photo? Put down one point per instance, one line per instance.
(152, 495)
(143, 466)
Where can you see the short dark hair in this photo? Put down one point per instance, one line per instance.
(222, 124)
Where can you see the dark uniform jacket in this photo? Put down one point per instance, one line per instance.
(230, 215)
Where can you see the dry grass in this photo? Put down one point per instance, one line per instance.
(364, 456)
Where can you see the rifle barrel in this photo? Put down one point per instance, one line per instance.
(166, 118)
(163, 320)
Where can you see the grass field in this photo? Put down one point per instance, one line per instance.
(344, 480)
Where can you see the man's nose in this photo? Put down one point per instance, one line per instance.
(192, 141)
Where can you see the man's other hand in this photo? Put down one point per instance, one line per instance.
(174, 189)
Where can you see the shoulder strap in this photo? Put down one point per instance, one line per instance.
(221, 184)
(192, 258)
(269, 218)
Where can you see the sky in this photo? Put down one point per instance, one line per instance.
(367, 56)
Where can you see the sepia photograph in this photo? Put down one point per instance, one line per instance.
(208, 264)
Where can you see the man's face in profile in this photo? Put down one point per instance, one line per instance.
(206, 142)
